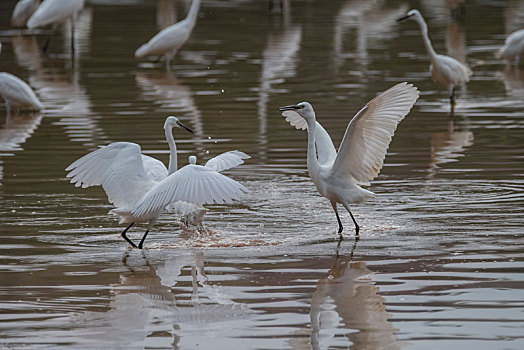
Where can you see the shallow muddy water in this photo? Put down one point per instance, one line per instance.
(440, 260)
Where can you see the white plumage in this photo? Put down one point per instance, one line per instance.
(513, 48)
(362, 151)
(22, 11)
(445, 70)
(141, 187)
(169, 40)
(54, 11)
(17, 93)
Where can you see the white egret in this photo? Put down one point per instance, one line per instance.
(445, 70)
(55, 12)
(513, 47)
(121, 170)
(22, 11)
(169, 40)
(17, 93)
(193, 214)
(360, 156)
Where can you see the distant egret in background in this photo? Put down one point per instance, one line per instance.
(120, 168)
(360, 156)
(22, 11)
(55, 12)
(18, 94)
(169, 40)
(444, 69)
(513, 48)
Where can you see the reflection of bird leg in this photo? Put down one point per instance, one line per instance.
(452, 99)
(194, 284)
(126, 238)
(46, 44)
(73, 37)
(124, 259)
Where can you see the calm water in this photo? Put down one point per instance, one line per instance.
(440, 261)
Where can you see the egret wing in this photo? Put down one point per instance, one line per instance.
(227, 160)
(117, 167)
(192, 184)
(363, 148)
(325, 149)
(155, 169)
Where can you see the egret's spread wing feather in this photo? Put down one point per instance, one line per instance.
(363, 148)
(325, 149)
(192, 184)
(117, 167)
(227, 160)
(155, 169)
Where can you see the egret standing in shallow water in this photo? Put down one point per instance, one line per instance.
(513, 48)
(17, 93)
(360, 156)
(169, 40)
(444, 69)
(55, 12)
(120, 168)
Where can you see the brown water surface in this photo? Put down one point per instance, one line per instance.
(440, 259)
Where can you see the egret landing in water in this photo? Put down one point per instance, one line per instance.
(138, 186)
(360, 156)
(445, 70)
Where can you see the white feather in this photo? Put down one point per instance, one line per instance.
(227, 160)
(193, 184)
(363, 148)
(325, 149)
(17, 93)
(54, 11)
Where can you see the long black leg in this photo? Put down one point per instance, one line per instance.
(46, 44)
(141, 244)
(452, 99)
(340, 227)
(127, 239)
(357, 228)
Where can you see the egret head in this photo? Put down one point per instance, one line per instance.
(413, 14)
(172, 122)
(304, 109)
(192, 160)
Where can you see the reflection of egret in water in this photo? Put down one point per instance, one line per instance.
(513, 15)
(15, 131)
(61, 93)
(170, 93)
(279, 62)
(147, 306)
(347, 298)
(370, 20)
(165, 13)
(513, 78)
(447, 146)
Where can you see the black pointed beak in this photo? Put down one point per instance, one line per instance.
(403, 18)
(184, 127)
(289, 108)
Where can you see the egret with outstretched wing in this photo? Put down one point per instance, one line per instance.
(361, 154)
